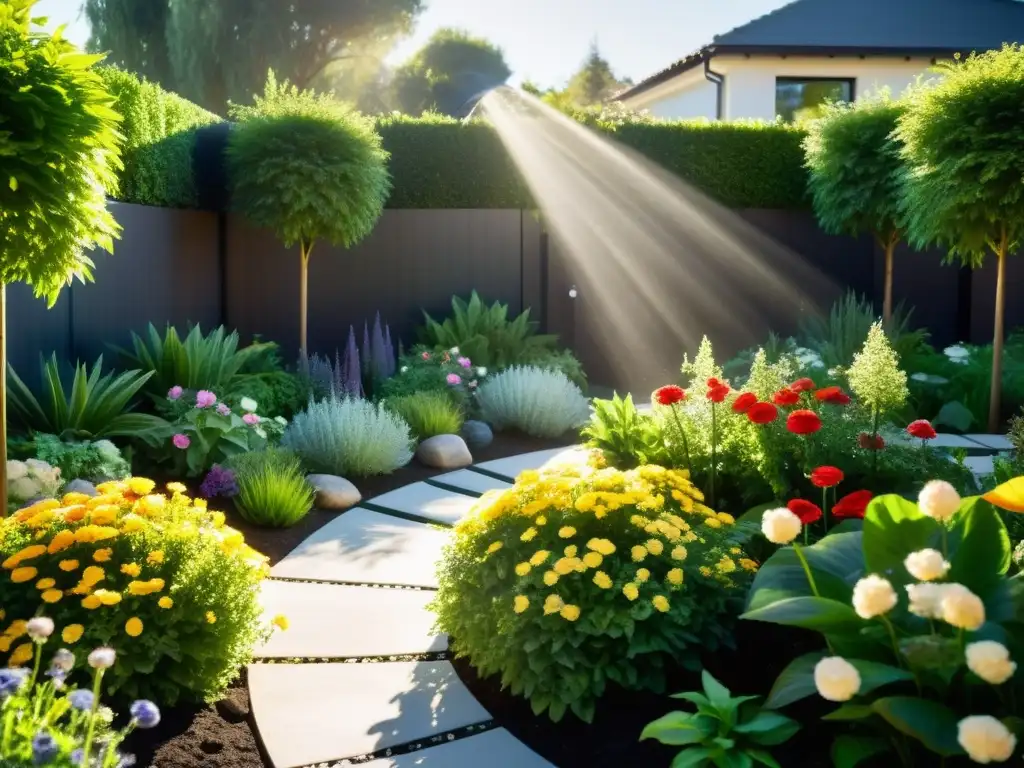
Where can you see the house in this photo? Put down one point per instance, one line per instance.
(792, 59)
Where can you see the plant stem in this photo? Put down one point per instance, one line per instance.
(874, 446)
(682, 435)
(824, 508)
(714, 455)
(892, 636)
(807, 569)
(92, 717)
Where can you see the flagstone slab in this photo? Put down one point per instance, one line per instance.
(980, 465)
(513, 465)
(472, 481)
(995, 442)
(340, 621)
(952, 441)
(311, 713)
(426, 501)
(362, 546)
(495, 749)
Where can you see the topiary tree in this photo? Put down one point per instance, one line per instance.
(309, 168)
(855, 174)
(58, 151)
(963, 143)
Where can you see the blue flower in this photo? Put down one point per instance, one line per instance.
(44, 748)
(146, 714)
(11, 680)
(78, 757)
(127, 761)
(81, 699)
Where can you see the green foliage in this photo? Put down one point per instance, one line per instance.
(94, 461)
(569, 581)
(59, 150)
(535, 401)
(279, 393)
(427, 371)
(875, 375)
(595, 82)
(725, 730)
(97, 405)
(203, 436)
(626, 437)
(428, 413)
(272, 488)
(855, 167)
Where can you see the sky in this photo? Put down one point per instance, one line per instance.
(546, 40)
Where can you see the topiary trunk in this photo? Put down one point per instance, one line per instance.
(304, 250)
(995, 393)
(3, 399)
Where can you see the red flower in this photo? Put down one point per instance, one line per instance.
(717, 390)
(807, 511)
(852, 504)
(714, 382)
(826, 477)
(869, 442)
(669, 395)
(802, 385)
(762, 413)
(786, 397)
(425, 355)
(803, 422)
(832, 395)
(922, 429)
(743, 403)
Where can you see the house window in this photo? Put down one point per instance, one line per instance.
(800, 98)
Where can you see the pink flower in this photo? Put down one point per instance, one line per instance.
(465, 362)
(425, 355)
(453, 379)
(205, 399)
(223, 410)
(174, 393)
(181, 441)
(251, 419)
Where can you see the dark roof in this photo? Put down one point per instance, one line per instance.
(853, 27)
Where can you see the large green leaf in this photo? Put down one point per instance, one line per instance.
(982, 555)
(817, 613)
(796, 681)
(835, 561)
(931, 723)
(893, 528)
(680, 728)
(768, 728)
(695, 756)
(851, 751)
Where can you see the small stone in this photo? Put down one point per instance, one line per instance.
(233, 707)
(81, 486)
(444, 452)
(333, 492)
(477, 434)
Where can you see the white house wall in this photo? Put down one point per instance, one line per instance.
(700, 100)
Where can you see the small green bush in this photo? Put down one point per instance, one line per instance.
(428, 414)
(427, 371)
(92, 461)
(272, 488)
(279, 393)
(541, 403)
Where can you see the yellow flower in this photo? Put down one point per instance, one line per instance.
(601, 546)
(747, 564)
(570, 551)
(107, 597)
(133, 626)
(552, 604)
(735, 551)
(550, 578)
(655, 546)
(52, 596)
(176, 487)
(520, 604)
(280, 621)
(726, 565)
(712, 522)
(495, 546)
(61, 541)
(132, 523)
(642, 575)
(539, 557)
(145, 587)
(218, 519)
(661, 603)
(22, 654)
(705, 571)
(638, 553)
(104, 514)
(155, 557)
(540, 520)
(570, 612)
(71, 499)
(726, 518)
(150, 506)
(67, 565)
(565, 565)
(631, 591)
(102, 555)
(23, 574)
(679, 553)
(603, 580)
(131, 569)
(211, 617)
(566, 532)
(72, 633)
(675, 576)
(522, 569)
(91, 602)
(165, 602)
(28, 553)
(592, 559)
(5, 643)
(93, 575)
(140, 486)
(45, 583)
(528, 534)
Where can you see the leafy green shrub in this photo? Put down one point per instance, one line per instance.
(349, 437)
(95, 461)
(428, 414)
(425, 371)
(570, 580)
(541, 403)
(626, 437)
(279, 393)
(30, 480)
(272, 489)
(97, 406)
(162, 581)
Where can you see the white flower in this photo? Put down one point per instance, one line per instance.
(926, 565)
(927, 378)
(939, 500)
(404, 369)
(925, 600)
(454, 350)
(16, 470)
(102, 658)
(39, 628)
(248, 405)
(260, 431)
(957, 354)
(961, 607)
(836, 679)
(985, 739)
(481, 371)
(990, 661)
(63, 660)
(873, 596)
(281, 420)
(780, 526)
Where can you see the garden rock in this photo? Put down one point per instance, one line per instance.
(81, 486)
(333, 492)
(444, 452)
(477, 434)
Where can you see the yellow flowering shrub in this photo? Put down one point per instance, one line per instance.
(157, 577)
(580, 576)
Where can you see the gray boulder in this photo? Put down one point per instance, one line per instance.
(477, 434)
(333, 492)
(444, 452)
(81, 486)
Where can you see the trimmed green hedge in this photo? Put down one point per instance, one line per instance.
(159, 133)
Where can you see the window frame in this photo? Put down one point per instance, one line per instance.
(796, 80)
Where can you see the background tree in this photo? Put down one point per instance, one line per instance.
(449, 70)
(58, 150)
(856, 174)
(595, 81)
(308, 168)
(964, 147)
(213, 52)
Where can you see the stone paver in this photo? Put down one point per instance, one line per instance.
(367, 547)
(472, 481)
(980, 465)
(426, 501)
(952, 441)
(513, 465)
(495, 749)
(310, 713)
(335, 621)
(995, 442)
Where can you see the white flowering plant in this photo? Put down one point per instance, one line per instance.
(920, 620)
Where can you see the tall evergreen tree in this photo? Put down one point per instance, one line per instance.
(595, 80)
